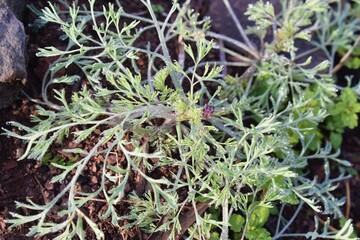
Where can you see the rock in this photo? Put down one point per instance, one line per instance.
(12, 52)
(16, 6)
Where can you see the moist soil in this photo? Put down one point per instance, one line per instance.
(30, 179)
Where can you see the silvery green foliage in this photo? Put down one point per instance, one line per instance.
(244, 144)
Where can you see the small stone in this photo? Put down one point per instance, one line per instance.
(100, 158)
(2, 224)
(12, 53)
(111, 159)
(12, 163)
(37, 165)
(72, 144)
(46, 195)
(94, 180)
(19, 152)
(54, 171)
(97, 131)
(49, 185)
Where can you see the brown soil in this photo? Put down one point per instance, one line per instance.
(29, 179)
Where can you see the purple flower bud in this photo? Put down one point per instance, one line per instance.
(207, 111)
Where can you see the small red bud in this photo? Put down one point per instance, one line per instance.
(207, 111)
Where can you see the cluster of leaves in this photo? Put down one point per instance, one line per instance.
(350, 54)
(255, 230)
(236, 154)
(49, 159)
(342, 114)
(352, 62)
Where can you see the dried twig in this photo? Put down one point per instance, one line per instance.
(348, 200)
(186, 220)
(323, 223)
(346, 56)
(46, 200)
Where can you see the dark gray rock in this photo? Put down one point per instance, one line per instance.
(12, 52)
(16, 6)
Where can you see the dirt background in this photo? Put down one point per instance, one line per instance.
(29, 179)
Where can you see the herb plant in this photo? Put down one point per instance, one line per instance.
(238, 146)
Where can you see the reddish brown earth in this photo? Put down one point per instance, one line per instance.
(29, 179)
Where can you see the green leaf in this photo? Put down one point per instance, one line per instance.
(83, 134)
(50, 52)
(160, 77)
(236, 222)
(189, 51)
(257, 234)
(352, 171)
(259, 216)
(214, 236)
(66, 80)
(336, 139)
(353, 63)
(262, 14)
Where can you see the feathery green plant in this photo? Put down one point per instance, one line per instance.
(239, 144)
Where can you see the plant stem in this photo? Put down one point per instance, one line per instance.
(280, 234)
(238, 24)
(225, 217)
